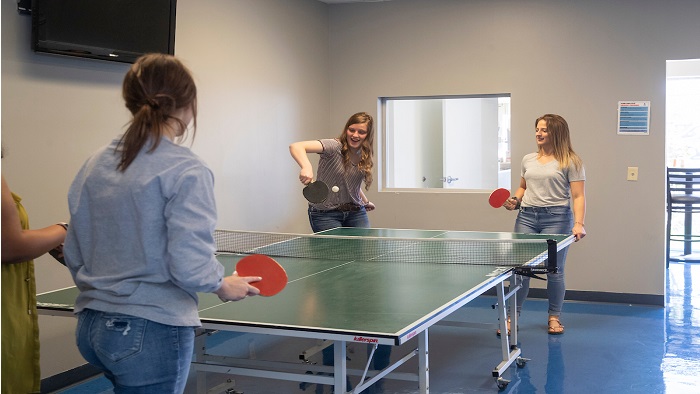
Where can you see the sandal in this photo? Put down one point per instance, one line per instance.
(498, 331)
(555, 326)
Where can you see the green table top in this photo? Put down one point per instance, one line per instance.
(326, 298)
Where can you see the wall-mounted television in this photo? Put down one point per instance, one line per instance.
(113, 30)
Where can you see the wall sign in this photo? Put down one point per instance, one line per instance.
(633, 117)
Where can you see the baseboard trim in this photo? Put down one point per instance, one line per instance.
(68, 378)
(600, 296)
(618, 298)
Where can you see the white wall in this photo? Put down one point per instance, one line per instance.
(262, 74)
(577, 59)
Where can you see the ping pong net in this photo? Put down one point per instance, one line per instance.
(529, 256)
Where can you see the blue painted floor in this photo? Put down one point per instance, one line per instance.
(607, 348)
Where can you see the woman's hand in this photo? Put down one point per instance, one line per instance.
(235, 288)
(512, 203)
(299, 151)
(306, 175)
(579, 231)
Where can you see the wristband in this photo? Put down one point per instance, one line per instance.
(64, 225)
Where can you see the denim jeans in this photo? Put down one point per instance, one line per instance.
(546, 220)
(326, 220)
(136, 355)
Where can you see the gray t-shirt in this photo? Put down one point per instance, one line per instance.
(547, 184)
(140, 242)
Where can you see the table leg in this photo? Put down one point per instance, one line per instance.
(339, 366)
(687, 244)
(423, 363)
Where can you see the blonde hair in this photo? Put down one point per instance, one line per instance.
(558, 132)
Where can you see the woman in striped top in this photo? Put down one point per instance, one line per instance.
(345, 162)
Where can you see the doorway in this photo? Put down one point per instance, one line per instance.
(683, 131)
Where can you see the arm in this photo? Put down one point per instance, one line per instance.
(299, 151)
(578, 193)
(190, 221)
(20, 245)
(369, 205)
(514, 202)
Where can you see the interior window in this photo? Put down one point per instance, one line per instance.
(459, 143)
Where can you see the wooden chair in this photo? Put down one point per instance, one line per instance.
(682, 196)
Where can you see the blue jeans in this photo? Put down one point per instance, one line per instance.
(135, 354)
(546, 220)
(326, 220)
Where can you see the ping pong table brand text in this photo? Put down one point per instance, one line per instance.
(366, 340)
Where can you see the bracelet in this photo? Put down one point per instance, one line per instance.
(63, 224)
(580, 224)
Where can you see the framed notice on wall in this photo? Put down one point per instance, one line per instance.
(633, 117)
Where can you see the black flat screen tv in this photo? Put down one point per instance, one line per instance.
(113, 30)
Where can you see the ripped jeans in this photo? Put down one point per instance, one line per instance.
(135, 354)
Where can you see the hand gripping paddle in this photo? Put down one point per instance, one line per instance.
(274, 277)
(316, 192)
(498, 197)
(57, 253)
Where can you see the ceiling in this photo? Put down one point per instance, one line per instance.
(350, 1)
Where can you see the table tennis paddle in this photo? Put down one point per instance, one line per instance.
(498, 197)
(57, 253)
(274, 277)
(316, 192)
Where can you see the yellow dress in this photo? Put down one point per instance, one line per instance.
(20, 325)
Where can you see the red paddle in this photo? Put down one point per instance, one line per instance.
(274, 277)
(498, 197)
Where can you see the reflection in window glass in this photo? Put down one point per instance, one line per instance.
(448, 142)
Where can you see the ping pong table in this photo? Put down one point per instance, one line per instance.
(374, 295)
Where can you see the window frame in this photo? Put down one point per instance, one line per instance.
(383, 137)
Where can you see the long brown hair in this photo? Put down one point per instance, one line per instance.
(366, 162)
(558, 132)
(155, 87)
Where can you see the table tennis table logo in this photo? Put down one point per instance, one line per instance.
(366, 340)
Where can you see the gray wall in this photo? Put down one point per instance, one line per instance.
(574, 58)
(270, 72)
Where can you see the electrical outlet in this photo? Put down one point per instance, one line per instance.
(632, 173)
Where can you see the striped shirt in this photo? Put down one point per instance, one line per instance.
(332, 172)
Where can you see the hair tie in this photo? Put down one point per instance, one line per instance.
(153, 103)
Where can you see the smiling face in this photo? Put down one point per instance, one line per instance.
(355, 135)
(542, 135)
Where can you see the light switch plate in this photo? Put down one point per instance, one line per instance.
(632, 173)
